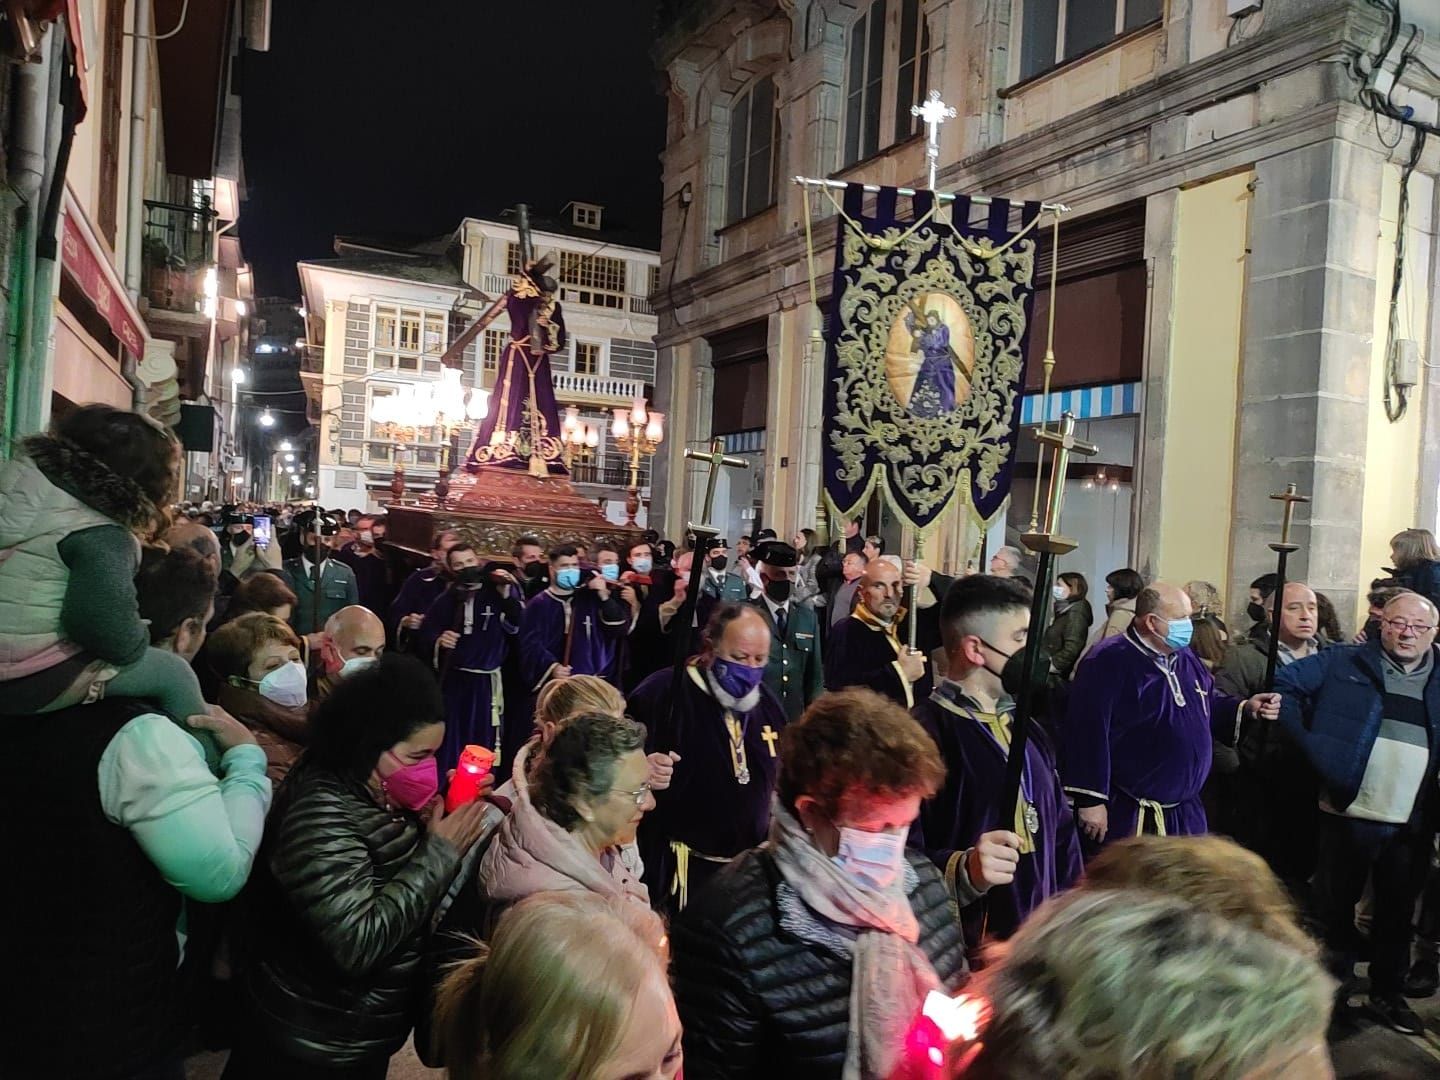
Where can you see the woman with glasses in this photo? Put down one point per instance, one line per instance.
(572, 815)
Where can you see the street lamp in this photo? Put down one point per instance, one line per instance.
(286, 445)
(451, 408)
(289, 457)
(266, 420)
(638, 433)
(238, 375)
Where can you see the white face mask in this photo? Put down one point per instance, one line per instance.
(356, 663)
(1061, 592)
(286, 685)
(366, 536)
(874, 859)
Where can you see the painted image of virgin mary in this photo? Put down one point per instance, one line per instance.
(929, 355)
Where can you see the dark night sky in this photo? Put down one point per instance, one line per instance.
(370, 117)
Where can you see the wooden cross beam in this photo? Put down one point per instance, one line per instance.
(1063, 443)
(1291, 498)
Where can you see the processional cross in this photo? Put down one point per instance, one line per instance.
(716, 458)
(933, 112)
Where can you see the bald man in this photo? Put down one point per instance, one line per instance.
(865, 649)
(1144, 712)
(354, 638)
(724, 733)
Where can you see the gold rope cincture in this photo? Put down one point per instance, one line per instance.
(1049, 366)
(880, 243)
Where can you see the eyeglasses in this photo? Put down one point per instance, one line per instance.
(1400, 626)
(638, 794)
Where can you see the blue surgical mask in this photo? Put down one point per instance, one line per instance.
(567, 577)
(610, 571)
(642, 565)
(1178, 633)
(873, 859)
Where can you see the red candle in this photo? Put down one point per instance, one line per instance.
(475, 763)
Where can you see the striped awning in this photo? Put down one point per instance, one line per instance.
(1091, 403)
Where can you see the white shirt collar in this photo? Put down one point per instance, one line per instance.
(775, 608)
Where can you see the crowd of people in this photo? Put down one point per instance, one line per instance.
(585, 811)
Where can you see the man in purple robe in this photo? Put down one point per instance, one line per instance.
(724, 733)
(467, 634)
(419, 591)
(1137, 738)
(1032, 849)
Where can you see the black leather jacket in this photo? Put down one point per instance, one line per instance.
(756, 1000)
(337, 917)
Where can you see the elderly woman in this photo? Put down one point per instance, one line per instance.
(810, 955)
(262, 592)
(571, 984)
(358, 855)
(569, 820)
(1126, 985)
(262, 683)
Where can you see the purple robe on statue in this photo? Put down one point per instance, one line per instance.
(1138, 736)
(968, 805)
(470, 678)
(507, 436)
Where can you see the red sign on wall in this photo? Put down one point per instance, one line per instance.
(87, 268)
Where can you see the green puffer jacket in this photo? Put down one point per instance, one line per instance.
(337, 918)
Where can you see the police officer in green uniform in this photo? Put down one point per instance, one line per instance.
(337, 581)
(719, 580)
(795, 671)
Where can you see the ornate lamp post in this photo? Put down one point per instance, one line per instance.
(452, 409)
(578, 439)
(638, 433)
(444, 408)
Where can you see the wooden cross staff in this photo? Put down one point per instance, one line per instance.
(716, 459)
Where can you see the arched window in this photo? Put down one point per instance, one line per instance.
(864, 79)
(750, 173)
(913, 74)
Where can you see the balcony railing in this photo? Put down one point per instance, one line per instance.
(597, 388)
(176, 254)
(494, 284)
(640, 305)
(612, 473)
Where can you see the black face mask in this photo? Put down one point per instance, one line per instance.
(535, 571)
(1256, 612)
(779, 589)
(719, 562)
(1012, 675)
(472, 577)
(315, 555)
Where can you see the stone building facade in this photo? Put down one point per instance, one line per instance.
(1225, 302)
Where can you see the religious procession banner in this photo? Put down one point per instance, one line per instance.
(925, 355)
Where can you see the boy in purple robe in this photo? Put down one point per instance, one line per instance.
(1137, 739)
(419, 591)
(467, 634)
(1033, 847)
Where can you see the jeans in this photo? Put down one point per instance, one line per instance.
(1350, 852)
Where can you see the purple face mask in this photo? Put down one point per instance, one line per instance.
(737, 680)
(412, 786)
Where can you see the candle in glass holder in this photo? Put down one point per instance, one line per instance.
(474, 766)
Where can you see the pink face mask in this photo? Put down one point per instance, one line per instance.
(412, 786)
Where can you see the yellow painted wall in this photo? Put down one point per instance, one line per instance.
(1392, 451)
(1203, 380)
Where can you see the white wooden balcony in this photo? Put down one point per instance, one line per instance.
(574, 388)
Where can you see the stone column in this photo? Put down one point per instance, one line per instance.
(702, 393)
(1305, 377)
(1160, 227)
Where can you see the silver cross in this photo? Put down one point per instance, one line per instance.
(933, 112)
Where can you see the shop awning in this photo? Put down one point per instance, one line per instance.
(85, 259)
(1089, 403)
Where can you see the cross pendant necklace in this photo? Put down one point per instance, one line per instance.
(736, 733)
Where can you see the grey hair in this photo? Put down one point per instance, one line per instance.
(1129, 986)
(580, 763)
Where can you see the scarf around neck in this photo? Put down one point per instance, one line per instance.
(889, 974)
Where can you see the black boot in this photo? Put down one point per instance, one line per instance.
(1424, 978)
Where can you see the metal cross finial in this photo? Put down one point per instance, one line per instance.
(933, 112)
(1290, 497)
(1063, 443)
(716, 458)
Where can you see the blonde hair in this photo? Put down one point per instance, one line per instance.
(1209, 873)
(1136, 986)
(550, 994)
(1414, 546)
(561, 699)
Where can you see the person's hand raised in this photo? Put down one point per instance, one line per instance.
(462, 828)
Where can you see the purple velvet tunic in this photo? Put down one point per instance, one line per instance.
(511, 401)
(1133, 734)
(968, 805)
(597, 628)
(470, 677)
